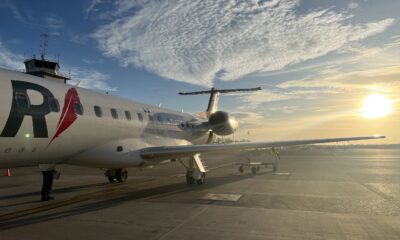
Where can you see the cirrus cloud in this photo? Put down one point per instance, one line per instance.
(10, 60)
(199, 41)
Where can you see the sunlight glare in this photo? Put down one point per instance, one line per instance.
(376, 106)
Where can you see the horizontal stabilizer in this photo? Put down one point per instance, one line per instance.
(213, 90)
(214, 93)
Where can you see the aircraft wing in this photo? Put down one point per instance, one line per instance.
(169, 152)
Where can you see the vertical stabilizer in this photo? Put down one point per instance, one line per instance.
(212, 102)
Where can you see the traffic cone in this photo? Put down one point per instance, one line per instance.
(8, 173)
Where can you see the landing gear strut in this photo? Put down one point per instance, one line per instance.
(116, 175)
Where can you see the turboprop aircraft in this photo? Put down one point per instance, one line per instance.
(49, 122)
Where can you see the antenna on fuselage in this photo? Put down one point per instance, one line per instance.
(214, 95)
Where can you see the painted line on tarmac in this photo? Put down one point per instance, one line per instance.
(223, 165)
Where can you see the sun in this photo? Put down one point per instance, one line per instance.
(375, 106)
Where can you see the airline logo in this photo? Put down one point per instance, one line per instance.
(68, 115)
(20, 108)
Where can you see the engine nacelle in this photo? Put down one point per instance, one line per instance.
(222, 124)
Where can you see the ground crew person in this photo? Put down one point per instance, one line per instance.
(48, 172)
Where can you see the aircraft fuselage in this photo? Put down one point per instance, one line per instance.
(42, 122)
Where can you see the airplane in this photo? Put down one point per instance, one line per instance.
(47, 122)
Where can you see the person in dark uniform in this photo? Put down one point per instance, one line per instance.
(48, 176)
(47, 185)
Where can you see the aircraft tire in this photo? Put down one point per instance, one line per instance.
(111, 179)
(254, 170)
(121, 175)
(241, 169)
(202, 179)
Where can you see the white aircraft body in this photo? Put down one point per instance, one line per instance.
(46, 122)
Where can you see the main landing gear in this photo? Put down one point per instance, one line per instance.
(195, 170)
(116, 175)
(193, 177)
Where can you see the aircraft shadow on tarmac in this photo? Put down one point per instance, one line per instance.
(9, 221)
(61, 190)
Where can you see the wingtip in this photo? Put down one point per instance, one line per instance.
(379, 136)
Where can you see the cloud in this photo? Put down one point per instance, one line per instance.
(352, 5)
(54, 22)
(91, 61)
(352, 87)
(199, 41)
(348, 81)
(366, 69)
(91, 79)
(10, 60)
(264, 96)
(25, 16)
(78, 38)
(249, 119)
(93, 7)
(7, 4)
(281, 93)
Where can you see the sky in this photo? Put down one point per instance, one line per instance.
(316, 61)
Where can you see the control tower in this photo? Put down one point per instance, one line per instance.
(45, 68)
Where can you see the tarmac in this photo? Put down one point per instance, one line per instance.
(315, 194)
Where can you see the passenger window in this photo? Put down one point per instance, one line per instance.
(140, 117)
(159, 118)
(53, 104)
(151, 117)
(128, 115)
(114, 113)
(78, 108)
(98, 111)
(22, 100)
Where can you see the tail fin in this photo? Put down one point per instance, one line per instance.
(214, 95)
